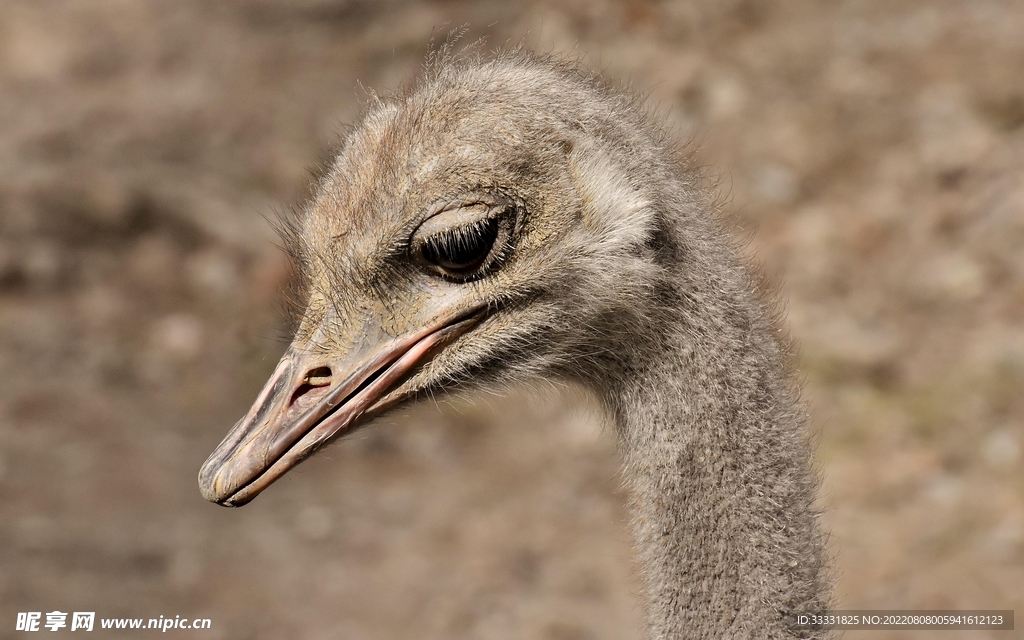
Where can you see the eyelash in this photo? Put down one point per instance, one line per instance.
(463, 251)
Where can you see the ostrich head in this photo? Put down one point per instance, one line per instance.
(496, 223)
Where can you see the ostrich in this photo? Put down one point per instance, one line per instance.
(513, 218)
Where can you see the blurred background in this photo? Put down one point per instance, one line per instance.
(872, 152)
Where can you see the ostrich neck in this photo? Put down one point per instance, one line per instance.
(716, 455)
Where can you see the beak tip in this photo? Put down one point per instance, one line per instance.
(214, 486)
(209, 482)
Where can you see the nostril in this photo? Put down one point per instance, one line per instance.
(319, 377)
(314, 386)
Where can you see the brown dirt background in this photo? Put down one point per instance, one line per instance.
(872, 151)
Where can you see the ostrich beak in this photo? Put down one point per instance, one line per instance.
(309, 400)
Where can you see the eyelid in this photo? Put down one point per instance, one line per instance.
(451, 219)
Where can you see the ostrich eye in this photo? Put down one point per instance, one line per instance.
(463, 250)
(464, 243)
